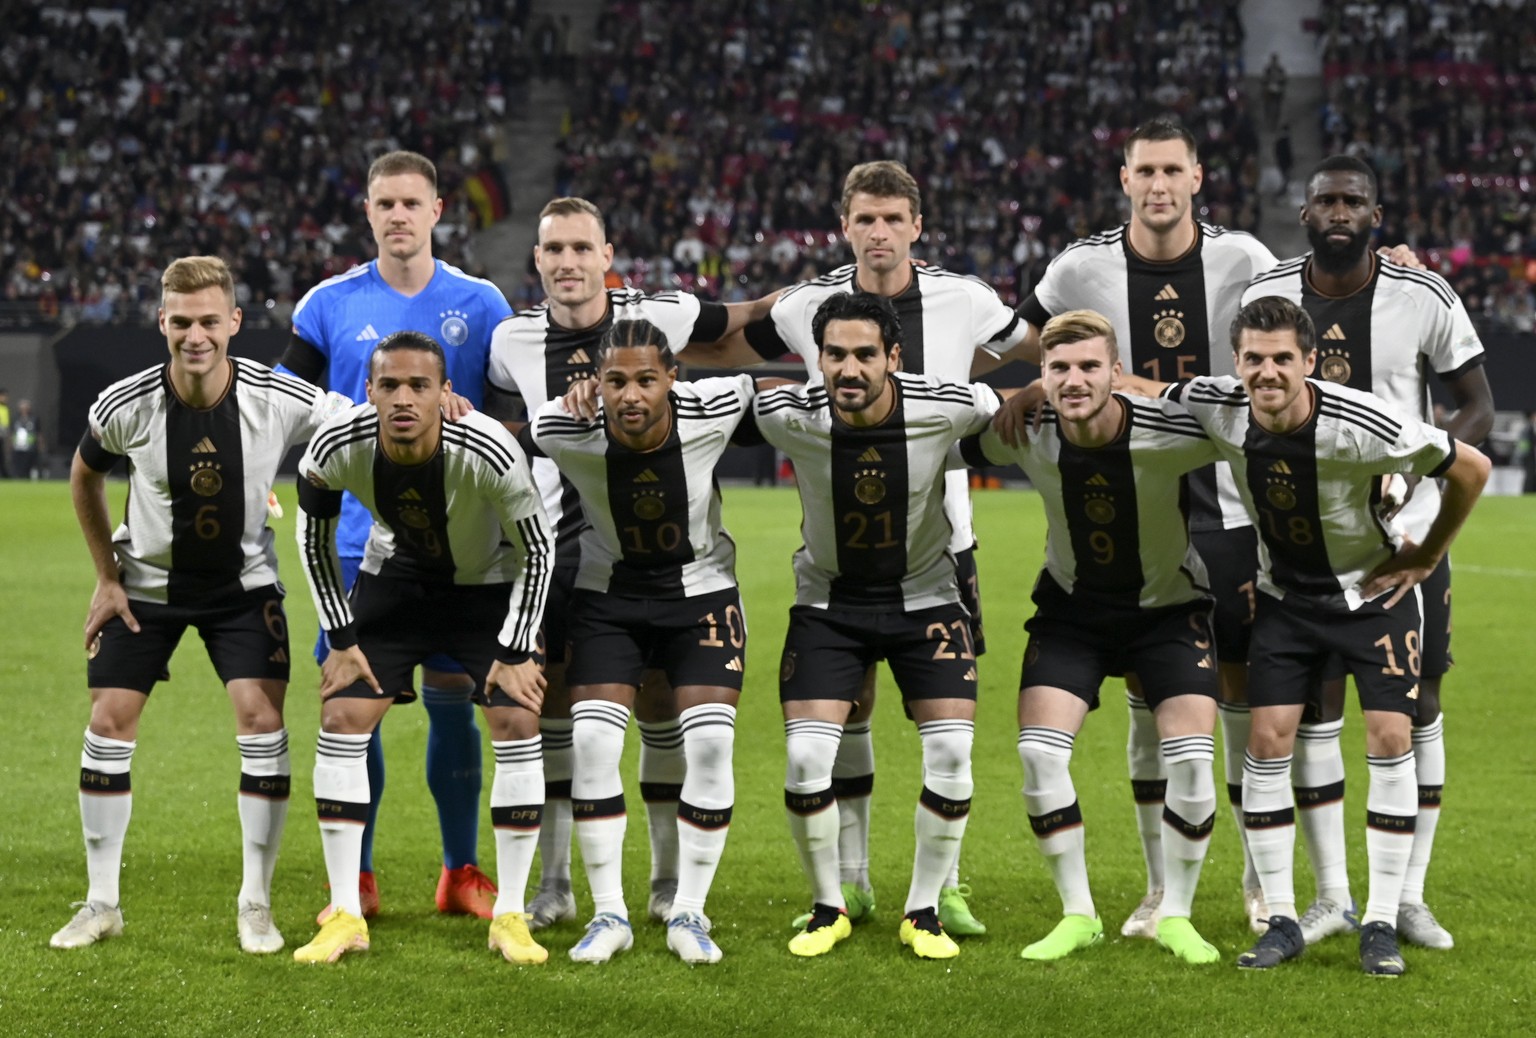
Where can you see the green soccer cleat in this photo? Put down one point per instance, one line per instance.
(922, 932)
(828, 925)
(1073, 933)
(859, 901)
(1179, 936)
(955, 914)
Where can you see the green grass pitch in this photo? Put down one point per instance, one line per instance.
(178, 968)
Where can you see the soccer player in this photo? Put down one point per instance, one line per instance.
(335, 328)
(1384, 328)
(1308, 455)
(458, 562)
(203, 436)
(874, 580)
(656, 589)
(535, 357)
(1122, 590)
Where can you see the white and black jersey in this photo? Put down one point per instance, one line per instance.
(946, 319)
(1313, 493)
(1117, 533)
(536, 360)
(653, 517)
(195, 529)
(470, 515)
(876, 534)
(1172, 320)
(1385, 339)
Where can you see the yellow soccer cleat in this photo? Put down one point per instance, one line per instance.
(509, 935)
(827, 926)
(343, 932)
(921, 932)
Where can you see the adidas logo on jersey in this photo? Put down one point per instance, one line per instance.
(1205, 663)
(869, 457)
(1166, 294)
(1281, 467)
(1098, 480)
(970, 675)
(205, 446)
(1335, 333)
(367, 334)
(411, 495)
(280, 656)
(580, 357)
(647, 477)
(735, 664)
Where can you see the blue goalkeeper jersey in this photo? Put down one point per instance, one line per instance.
(339, 321)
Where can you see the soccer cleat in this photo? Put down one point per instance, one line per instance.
(1073, 933)
(607, 935)
(550, 906)
(1179, 936)
(1257, 909)
(509, 935)
(93, 922)
(663, 893)
(1143, 921)
(258, 935)
(1379, 956)
(688, 936)
(1416, 924)
(367, 896)
(860, 904)
(343, 932)
(955, 914)
(924, 934)
(1325, 917)
(1281, 941)
(466, 891)
(827, 926)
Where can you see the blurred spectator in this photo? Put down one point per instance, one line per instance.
(5, 433)
(26, 442)
(1274, 91)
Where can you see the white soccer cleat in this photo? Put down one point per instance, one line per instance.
(1143, 921)
(258, 934)
(607, 935)
(688, 936)
(93, 922)
(550, 906)
(1257, 909)
(1416, 924)
(1326, 917)
(663, 893)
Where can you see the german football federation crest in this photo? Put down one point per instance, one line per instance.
(1169, 329)
(206, 480)
(1334, 364)
(869, 486)
(1280, 492)
(455, 329)
(1099, 507)
(650, 505)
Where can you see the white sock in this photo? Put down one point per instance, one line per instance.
(662, 771)
(341, 800)
(1236, 726)
(597, 799)
(1149, 786)
(517, 805)
(853, 783)
(1429, 768)
(1269, 816)
(263, 805)
(1188, 818)
(709, 792)
(106, 804)
(811, 746)
(942, 808)
(1318, 778)
(1051, 800)
(555, 826)
(1391, 807)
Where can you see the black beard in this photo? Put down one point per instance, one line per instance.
(1336, 260)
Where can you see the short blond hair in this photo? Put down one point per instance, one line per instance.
(883, 179)
(397, 163)
(195, 273)
(1079, 326)
(572, 206)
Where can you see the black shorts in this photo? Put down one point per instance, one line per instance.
(827, 652)
(970, 595)
(1231, 560)
(1073, 647)
(1436, 596)
(698, 641)
(1293, 643)
(555, 635)
(248, 638)
(402, 623)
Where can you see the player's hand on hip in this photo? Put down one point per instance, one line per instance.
(581, 399)
(1020, 414)
(523, 682)
(1409, 567)
(108, 600)
(344, 667)
(456, 407)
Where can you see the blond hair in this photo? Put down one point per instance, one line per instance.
(396, 163)
(883, 179)
(195, 273)
(1079, 326)
(571, 206)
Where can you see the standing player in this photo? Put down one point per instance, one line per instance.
(335, 328)
(1309, 456)
(1385, 327)
(203, 436)
(656, 589)
(460, 550)
(1122, 590)
(875, 580)
(536, 356)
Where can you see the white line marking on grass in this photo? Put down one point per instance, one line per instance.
(1494, 571)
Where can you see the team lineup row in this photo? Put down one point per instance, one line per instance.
(879, 566)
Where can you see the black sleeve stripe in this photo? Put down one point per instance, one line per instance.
(537, 552)
(1006, 330)
(327, 443)
(553, 421)
(1376, 424)
(323, 455)
(529, 445)
(1364, 410)
(108, 406)
(1434, 282)
(288, 387)
(971, 450)
(132, 386)
(1289, 269)
(1456, 373)
(490, 443)
(1445, 466)
(318, 534)
(96, 456)
(469, 447)
(711, 323)
(304, 359)
(1032, 311)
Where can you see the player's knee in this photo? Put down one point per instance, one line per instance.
(809, 765)
(447, 681)
(948, 754)
(1044, 766)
